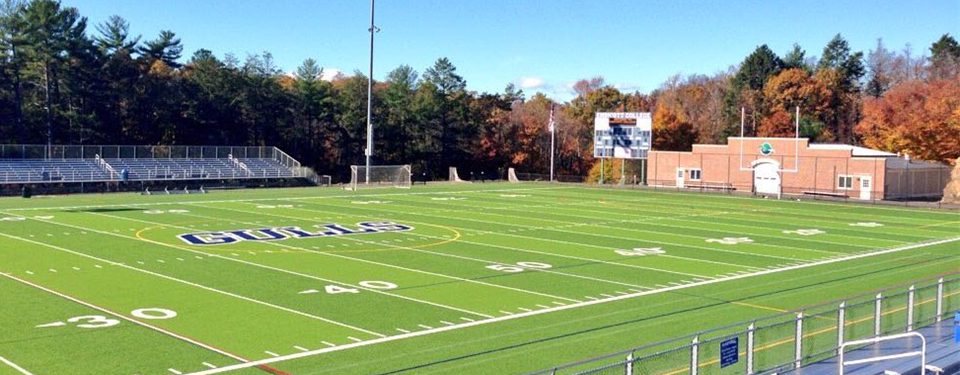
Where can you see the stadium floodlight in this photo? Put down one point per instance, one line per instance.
(380, 175)
(368, 152)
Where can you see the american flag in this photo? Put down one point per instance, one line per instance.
(550, 124)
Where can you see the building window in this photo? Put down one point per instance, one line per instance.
(695, 175)
(844, 182)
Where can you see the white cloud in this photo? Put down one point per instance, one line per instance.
(329, 74)
(531, 83)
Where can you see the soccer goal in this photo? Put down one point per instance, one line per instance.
(380, 175)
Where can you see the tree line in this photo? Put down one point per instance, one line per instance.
(65, 82)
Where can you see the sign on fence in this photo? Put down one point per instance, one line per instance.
(729, 351)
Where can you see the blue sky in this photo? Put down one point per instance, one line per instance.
(539, 45)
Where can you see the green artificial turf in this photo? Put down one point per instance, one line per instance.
(492, 278)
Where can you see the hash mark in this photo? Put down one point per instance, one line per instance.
(354, 338)
(209, 365)
(271, 353)
(328, 344)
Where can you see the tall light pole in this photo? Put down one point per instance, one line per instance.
(369, 150)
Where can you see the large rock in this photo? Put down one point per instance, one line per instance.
(951, 193)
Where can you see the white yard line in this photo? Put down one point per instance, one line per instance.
(592, 223)
(838, 205)
(15, 366)
(572, 306)
(735, 210)
(348, 196)
(121, 316)
(574, 232)
(339, 255)
(207, 288)
(262, 266)
(400, 247)
(535, 251)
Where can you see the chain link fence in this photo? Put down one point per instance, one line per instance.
(784, 341)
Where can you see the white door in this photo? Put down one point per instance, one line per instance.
(866, 187)
(679, 177)
(766, 178)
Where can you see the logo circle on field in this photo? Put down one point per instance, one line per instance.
(766, 148)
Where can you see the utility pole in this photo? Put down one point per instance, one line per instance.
(369, 150)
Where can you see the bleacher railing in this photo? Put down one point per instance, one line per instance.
(784, 341)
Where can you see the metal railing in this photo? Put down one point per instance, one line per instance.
(783, 341)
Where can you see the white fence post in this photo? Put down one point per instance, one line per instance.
(750, 330)
(694, 353)
(798, 339)
(841, 323)
(877, 314)
(910, 308)
(629, 366)
(940, 300)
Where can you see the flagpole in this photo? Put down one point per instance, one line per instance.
(552, 132)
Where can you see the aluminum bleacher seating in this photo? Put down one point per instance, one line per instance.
(139, 169)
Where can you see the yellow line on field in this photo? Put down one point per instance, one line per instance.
(758, 306)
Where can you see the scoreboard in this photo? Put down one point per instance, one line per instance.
(622, 135)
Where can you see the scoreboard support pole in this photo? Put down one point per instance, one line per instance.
(601, 171)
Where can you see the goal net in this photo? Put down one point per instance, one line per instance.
(380, 175)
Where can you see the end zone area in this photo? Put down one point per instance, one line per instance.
(436, 279)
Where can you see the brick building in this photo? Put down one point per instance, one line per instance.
(775, 166)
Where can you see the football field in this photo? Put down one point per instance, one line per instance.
(492, 278)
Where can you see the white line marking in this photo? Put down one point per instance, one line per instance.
(328, 344)
(361, 241)
(279, 269)
(403, 330)
(506, 312)
(54, 324)
(467, 319)
(175, 371)
(76, 268)
(98, 266)
(524, 309)
(543, 306)
(425, 326)
(354, 338)
(15, 366)
(446, 322)
(248, 299)
(29, 272)
(209, 365)
(134, 321)
(271, 353)
(573, 306)
(300, 348)
(277, 199)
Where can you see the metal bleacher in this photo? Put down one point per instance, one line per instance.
(29, 164)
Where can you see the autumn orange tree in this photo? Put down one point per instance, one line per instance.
(784, 92)
(916, 117)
